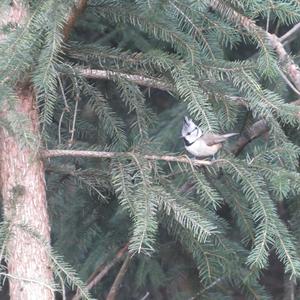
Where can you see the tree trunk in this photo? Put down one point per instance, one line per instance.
(22, 185)
(25, 208)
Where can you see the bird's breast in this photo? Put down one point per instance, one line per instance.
(200, 148)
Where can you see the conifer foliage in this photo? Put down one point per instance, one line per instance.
(119, 84)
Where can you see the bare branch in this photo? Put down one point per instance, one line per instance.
(145, 296)
(102, 270)
(287, 62)
(288, 82)
(72, 131)
(59, 125)
(257, 129)
(63, 93)
(116, 285)
(66, 108)
(287, 36)
(138, 79)
(104, 154)
(268, 21)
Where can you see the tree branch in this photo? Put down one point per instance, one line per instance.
(102, 270)
(254, 131)
(257, 129)
(248, 24)
(76, 11)
(116, 285)
(287, 62)
(110, 155)
(287, 37)
(138, 79)
(275, 42)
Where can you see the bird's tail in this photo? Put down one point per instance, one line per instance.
(227, 135)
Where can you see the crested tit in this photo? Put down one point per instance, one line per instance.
(201, 144)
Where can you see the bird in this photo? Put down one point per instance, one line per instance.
(201, 144)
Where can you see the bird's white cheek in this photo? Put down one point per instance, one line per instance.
(192, 138)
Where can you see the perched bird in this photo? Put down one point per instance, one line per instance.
(201, 144)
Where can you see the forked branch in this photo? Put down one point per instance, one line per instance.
(103, 270)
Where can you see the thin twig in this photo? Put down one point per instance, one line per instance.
(288, 82)
(145, 296)
(268, 21)
(117, 282)
(63, 289)
(288, 34)
(106, 154)
(63, 93)
(207, 288)
(59, 126)
(66, 108)
(77, 97)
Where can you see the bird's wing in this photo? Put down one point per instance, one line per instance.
(212, 139)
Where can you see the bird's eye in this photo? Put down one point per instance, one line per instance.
(189, 133)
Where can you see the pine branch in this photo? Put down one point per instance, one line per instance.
(274, 41)
(138, 79)
(106, 154)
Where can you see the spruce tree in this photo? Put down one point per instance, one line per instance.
(93, 94)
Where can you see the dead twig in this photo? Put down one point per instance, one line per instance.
(102, 271)
(116, 285)
(66, 108)
(72, 131)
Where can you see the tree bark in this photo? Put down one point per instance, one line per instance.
(25, 208)
(23, 192)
